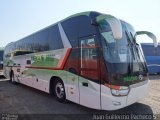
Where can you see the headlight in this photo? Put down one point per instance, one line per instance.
(122, 91)
(118, 90)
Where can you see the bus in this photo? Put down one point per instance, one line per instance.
(152, 56)
(89, 58)
(1, 62)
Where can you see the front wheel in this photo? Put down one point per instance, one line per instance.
(59, 90)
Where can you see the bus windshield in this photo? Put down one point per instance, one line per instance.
(124, 55)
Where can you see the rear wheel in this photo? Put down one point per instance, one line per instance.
(59, 90)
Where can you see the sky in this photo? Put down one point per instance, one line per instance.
(19, 18)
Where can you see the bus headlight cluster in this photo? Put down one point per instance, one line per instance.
(122, 91)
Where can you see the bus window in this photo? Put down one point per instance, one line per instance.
(89, 59)
(17, 53)
(158, 51)
(149, 50)
(88, 54)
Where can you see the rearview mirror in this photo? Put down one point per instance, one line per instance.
(114, 23)
(149, 34)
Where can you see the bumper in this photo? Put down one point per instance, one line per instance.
(110, 102)
(137, 92)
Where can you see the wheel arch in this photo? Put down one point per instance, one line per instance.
(51, 83)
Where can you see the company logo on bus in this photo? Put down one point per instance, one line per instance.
(140, 77)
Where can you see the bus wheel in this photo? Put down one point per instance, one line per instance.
(12, 77)
(59, 90)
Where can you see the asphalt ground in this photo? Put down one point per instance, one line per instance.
(25, 101)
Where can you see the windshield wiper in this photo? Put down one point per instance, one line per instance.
(137, 52)
(130, 45)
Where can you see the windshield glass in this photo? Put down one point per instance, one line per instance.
(123, 55)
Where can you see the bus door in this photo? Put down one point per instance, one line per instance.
(89, 78)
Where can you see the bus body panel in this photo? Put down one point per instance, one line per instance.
(39, 84)
(140, 88)
(72, 87)
(110, 102)
(89, 94)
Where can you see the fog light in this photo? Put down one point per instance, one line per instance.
(116, 103)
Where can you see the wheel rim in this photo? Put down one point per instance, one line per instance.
(59, 90)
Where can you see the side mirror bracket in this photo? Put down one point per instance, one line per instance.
(149, 34)
(114, 23)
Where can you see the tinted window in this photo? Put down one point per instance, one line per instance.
(88, 54)
(70, 27)
(55, 41)
(85, 27)
(158, 50)
(18, 45)
(9, 48)
(89, 61)
(22, 53)
(149, 50)
(24, 44)
(27, 42)
(41, 41)
(37, 42)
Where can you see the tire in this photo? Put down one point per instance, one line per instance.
(59, 91)
(12, 77)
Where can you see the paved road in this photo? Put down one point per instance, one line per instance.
(20, 99)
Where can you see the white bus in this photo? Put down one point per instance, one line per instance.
(89, 58)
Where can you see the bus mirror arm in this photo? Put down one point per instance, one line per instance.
(149, 34)
(114, 23)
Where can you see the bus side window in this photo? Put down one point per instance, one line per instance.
(88, 54)
(17, 53)
(158, 50)
(89, 59)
